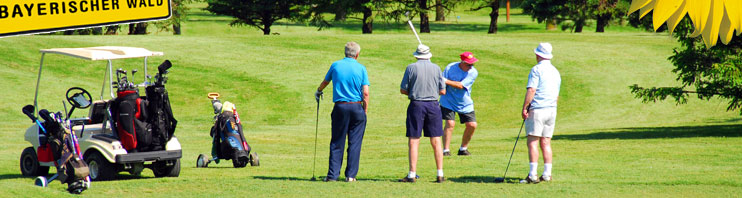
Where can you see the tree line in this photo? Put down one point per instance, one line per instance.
(262, 14)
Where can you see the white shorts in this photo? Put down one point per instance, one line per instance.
(540, 122)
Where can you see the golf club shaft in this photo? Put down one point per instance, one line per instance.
(414, 31)
(316, 129)
(511, 153)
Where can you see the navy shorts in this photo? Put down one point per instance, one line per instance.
(424, 116)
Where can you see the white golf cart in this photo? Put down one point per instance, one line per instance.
(99, 144)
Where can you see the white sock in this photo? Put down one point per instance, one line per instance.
(440, 172)
(547, 169)
(446, 150)
(534, 166)
(411, 175)
(463, 148)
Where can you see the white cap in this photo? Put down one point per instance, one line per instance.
(422, 52)
(544, 50)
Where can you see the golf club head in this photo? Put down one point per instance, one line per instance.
(499, 180)
(313, 179)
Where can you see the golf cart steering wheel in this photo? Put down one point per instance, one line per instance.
(80, 99)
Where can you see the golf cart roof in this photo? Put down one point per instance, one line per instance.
(103, 52)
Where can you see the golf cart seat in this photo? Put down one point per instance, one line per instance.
(98, 110)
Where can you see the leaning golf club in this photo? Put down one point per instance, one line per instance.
(502, 179)
(407, 14)
(316, 127)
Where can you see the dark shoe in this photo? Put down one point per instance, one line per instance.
(327, 179)
(545, 178)
(464, 152)
(409, 180)
(532, 179)
(447, 153)
(440, 179)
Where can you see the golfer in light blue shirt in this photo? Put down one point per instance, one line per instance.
(460, 77)
(539, 111)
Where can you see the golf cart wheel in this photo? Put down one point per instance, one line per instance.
(40, 181)
(30, 164)
(254, 160)
(161, 169)
(202, 161)
(100, 168)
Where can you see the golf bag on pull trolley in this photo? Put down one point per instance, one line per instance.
(228, 140)
(56, 141)
(143, 123)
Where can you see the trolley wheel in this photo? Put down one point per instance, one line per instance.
(254, 160)
(202, 161)
(40, 181)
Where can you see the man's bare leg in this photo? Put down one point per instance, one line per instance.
(413, 144)
(447, 132)
(468, 133)
(533, 144)
(546, 149)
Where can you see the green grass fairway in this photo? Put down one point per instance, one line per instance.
(606, 144)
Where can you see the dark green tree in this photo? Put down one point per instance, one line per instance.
(494, 6)
(606, 11)
(179, 14)
(261, 14)
(705, 72)
(551, 12)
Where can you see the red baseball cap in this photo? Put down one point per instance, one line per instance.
(468, 57)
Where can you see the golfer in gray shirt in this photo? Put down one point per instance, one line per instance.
(423, 84)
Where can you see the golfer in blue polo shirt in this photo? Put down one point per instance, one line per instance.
(350, 94)
(459, 77)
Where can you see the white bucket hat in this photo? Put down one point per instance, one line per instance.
(544, 50)
(423, 52)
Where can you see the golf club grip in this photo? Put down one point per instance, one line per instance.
(164, 66)
(28, 110)
(44, 114)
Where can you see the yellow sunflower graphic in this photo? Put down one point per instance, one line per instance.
(711, 18)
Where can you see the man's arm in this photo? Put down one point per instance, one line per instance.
(454, 84)
(403, 91)
(365, 98)
(530, 92)
(323, 85)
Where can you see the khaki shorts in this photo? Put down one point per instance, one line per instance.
(540, 122)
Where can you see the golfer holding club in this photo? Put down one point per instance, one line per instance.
(423, 83)
(540, 110)
(350, 93)
(459, 78)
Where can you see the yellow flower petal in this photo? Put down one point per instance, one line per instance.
(646, 9)
(726, 31)
(636, 4)
(663, 9)
(677, 17)
(699, 15)
(711, 31)
(711, 19)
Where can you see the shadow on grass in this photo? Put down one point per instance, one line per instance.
(319, 179)
(13, 176)
(482, 179)
(730, 130)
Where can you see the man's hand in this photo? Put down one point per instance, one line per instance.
(318, 95)
(524, 114)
